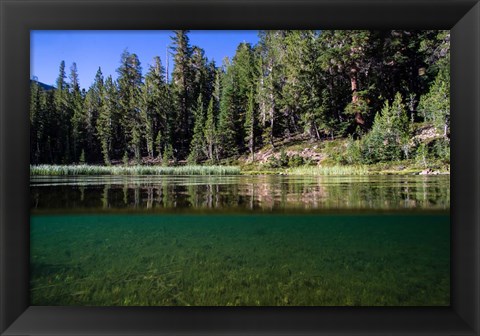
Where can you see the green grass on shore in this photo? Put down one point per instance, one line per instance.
(328, 170)
(57, 170)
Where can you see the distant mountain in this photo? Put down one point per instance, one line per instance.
(44, 86)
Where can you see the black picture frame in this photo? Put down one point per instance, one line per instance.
(18, 17)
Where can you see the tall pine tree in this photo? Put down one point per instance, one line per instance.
(129, 86)
(108, 120)
(182, 92)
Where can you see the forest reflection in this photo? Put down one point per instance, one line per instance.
(239, 193)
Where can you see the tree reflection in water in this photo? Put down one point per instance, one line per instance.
(239, 193)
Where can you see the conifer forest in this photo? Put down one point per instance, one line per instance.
(371, 91)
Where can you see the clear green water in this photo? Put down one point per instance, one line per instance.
(273, 249)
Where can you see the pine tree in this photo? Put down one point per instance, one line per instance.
(108, 121)
(228, 118)
(388, 139)
(347, 52)
(62, 129)
(48, 127)
(129, 86)
(92, 105)
(197, 145)
(35, 122)
(155, 108)
(210, 132)
(271, 81)
(182, 92)
(435, 105)
(251, 124)
(239, 81)
(200, 76)
(303, 96)
(79, 118)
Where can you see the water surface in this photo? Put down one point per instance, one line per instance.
(239, 193)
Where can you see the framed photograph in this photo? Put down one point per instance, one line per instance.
(240, 167)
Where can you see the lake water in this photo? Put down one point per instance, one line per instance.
(240, 240)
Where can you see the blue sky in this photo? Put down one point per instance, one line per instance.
(93, 49)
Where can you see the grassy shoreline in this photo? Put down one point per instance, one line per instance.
(355, 170)
(60, 170)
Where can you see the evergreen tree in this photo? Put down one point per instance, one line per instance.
(348, 52)
(210, 88)
(108, 119)
(272, 78)
(155, 108)
(92, 105)
(399, 65)
(251, 124)
(197, 145)
(228, 119)
(435, 105)
(129, 86)
(388, 139)
(62, 128)
(35, 122)
(48, 126)
(201, 76)
(182, 92)
(210, 132)
(303, 95)
(79, 117)
(239, 81)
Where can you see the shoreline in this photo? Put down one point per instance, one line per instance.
(219, 170)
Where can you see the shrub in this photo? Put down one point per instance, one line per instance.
(295, 161)
(272, 162)
(422, 155)
(441, 149)
(283, 160)
(125, 158)
(82, 157)
(167, 155)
